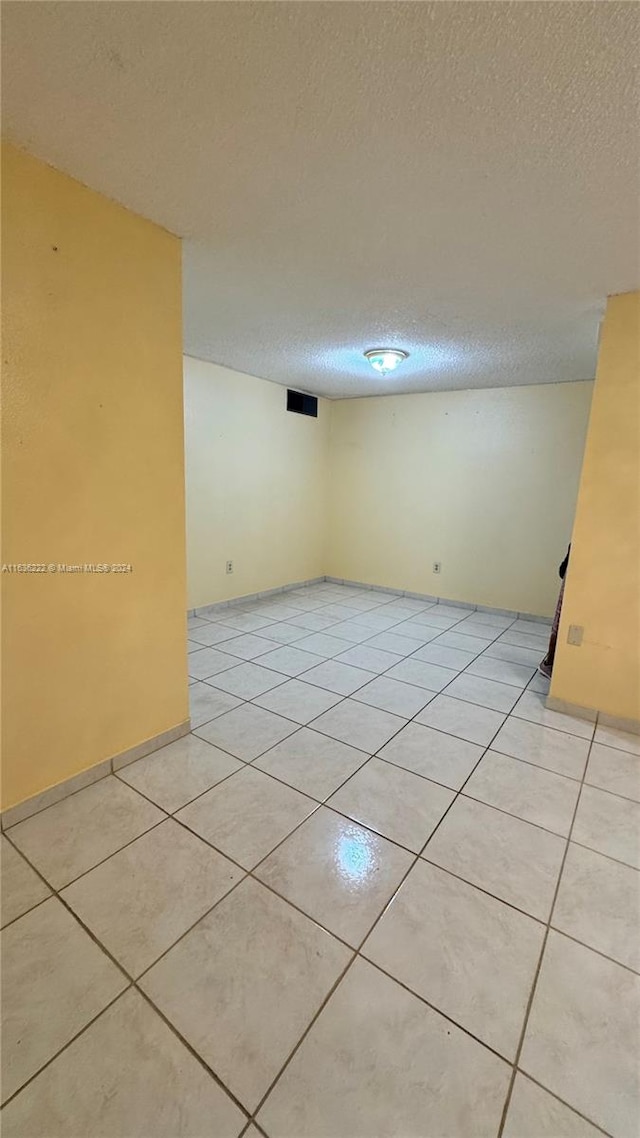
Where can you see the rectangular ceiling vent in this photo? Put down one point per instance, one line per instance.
(302, 404)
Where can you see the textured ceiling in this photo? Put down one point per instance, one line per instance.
(456, 179)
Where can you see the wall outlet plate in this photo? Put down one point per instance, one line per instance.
(575, 634)
(229, 567)
(437, 566)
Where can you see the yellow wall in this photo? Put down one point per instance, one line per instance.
(603, 583)
(483, 481)
(92, 472)
(256, 485)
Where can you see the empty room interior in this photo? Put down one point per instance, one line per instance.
(321, 569)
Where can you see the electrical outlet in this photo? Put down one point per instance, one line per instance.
(575, 634)
(437, 566)
(229, 566)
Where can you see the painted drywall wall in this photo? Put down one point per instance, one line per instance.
(257, 485)
(93, 663)
(483, 482)
(602, 592)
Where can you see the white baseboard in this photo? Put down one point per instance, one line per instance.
(14, 814)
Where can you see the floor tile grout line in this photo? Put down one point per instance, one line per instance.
(58, 889)
(357, 953)
(192, 1051)
(538, 969)
(298, 1044)
(565, 1103)
(134, 982)
(68, 1044)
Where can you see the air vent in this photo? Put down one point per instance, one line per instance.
(302, 404)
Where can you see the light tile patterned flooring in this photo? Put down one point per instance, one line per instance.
(379, 892)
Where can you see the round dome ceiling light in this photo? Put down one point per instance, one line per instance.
(385, 360)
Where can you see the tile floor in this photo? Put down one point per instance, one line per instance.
(379, 892)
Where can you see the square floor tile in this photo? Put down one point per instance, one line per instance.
(622, 740)
(322, 644)
(480, 630)
(371, 659)
(313, 763)
(486, 693)
(248, 646)
(514, 860)
(174, 775)
(194, 622)
(534, 627)
(245, 621)
(247, 731)
(74, 835)
(244, 984)
(21, 888)
(518, 675)
(455, 639)
(138, 902)
(543, 746)
(529, 792)
(399, 645)
(609, 824)
(470, 956)
(207, 702)
(598, 903)
(341, 678)
(378, 620)
(465, 720)
(538, 641)
(210, 634)
(298, 701)
(291, 661)
(493, 619)
(246, 816)
(338, 873)
(534, 1113)
(359, 725)
(430, 676)
(532, 705)
(412, 630)
(436, 653)
(394, 696)
(615, 771)
(432, 754)
(99, 1077)
(434, 618)
(249, 680)
(54, 980)
(540, 684)
(501, 651)
(378, 1062)
(340, 611)
(582, 1036)
(209, 662)
(312, 621)
(397, 804)
(284, 633)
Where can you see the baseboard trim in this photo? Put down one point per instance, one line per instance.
(632, 726)
(575, 709)
(38, 802)
(151, 745)
(429, 598)
(246, 598)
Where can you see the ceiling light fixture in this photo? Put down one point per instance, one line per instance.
(385, 360)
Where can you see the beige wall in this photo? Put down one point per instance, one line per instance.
(483, 481)
(603, 583)
(92, 664)
(256, 485)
